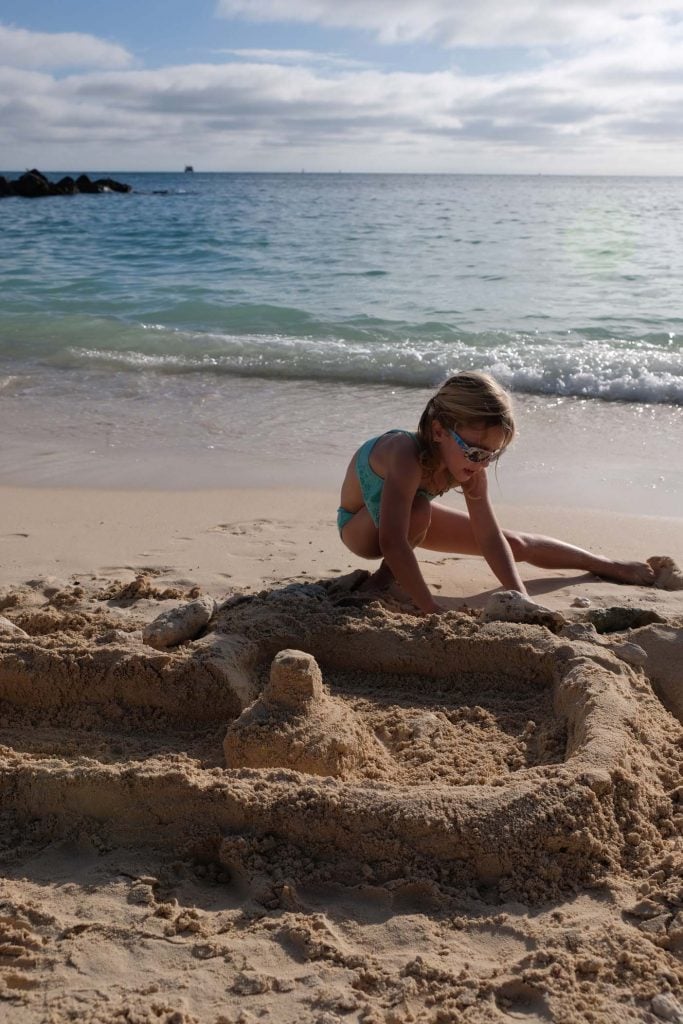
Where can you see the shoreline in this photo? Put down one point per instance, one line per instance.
(569, 452)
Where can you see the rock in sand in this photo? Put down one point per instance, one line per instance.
(511, 606)
(177, 625)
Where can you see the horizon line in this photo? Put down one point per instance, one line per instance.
(356, 173)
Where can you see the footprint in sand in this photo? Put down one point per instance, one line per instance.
(523, 1002)
(254, 530)
(248, 526)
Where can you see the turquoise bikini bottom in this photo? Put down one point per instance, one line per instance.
(343, 516)
(371, 485)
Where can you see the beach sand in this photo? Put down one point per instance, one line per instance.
(423, 819)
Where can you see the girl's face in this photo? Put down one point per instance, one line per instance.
(464, 454)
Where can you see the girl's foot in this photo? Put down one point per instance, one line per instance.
(378, 582)
(636, 573)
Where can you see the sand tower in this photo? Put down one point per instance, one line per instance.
(296, 724)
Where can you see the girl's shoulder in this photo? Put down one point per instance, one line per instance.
(397, 451)
(399, 442)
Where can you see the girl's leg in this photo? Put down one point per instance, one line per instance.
(450, 531)
(361, 537)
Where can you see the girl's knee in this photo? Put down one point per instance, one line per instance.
(520, 544)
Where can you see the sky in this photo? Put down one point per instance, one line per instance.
(441, 86)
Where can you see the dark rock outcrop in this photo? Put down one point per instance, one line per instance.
(108, 184)
(33, 185)
(84, 184)
(65, 186)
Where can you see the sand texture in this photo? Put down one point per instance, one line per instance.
(303, 805)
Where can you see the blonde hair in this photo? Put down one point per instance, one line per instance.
(468, 399)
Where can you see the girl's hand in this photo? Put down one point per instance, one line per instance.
(489, 536)
(477, 486)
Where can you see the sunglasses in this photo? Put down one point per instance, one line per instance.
(482, 456)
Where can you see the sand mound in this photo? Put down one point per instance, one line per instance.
(495, 752)
(668, 575)
(664, 648)
(296, 725)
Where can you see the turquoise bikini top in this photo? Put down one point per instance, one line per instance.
(371, 484)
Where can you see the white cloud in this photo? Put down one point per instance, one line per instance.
(461, 22)
(613, 108)
(20, 48)
(334, 60)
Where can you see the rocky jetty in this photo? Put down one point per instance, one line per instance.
(33, 185)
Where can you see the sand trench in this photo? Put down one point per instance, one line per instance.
(492, 753)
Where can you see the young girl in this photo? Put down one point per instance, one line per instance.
(387, 498)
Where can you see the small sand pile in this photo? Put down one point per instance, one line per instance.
(668, 575)
(295, 724)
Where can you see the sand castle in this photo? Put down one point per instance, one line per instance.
(494, 752)
(323, 809)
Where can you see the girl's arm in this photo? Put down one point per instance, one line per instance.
(488, 534)
(401, 482)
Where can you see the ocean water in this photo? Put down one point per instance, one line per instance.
(202, 312)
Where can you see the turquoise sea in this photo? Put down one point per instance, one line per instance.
(202, 310)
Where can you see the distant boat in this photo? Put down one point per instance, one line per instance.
(189, 169)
